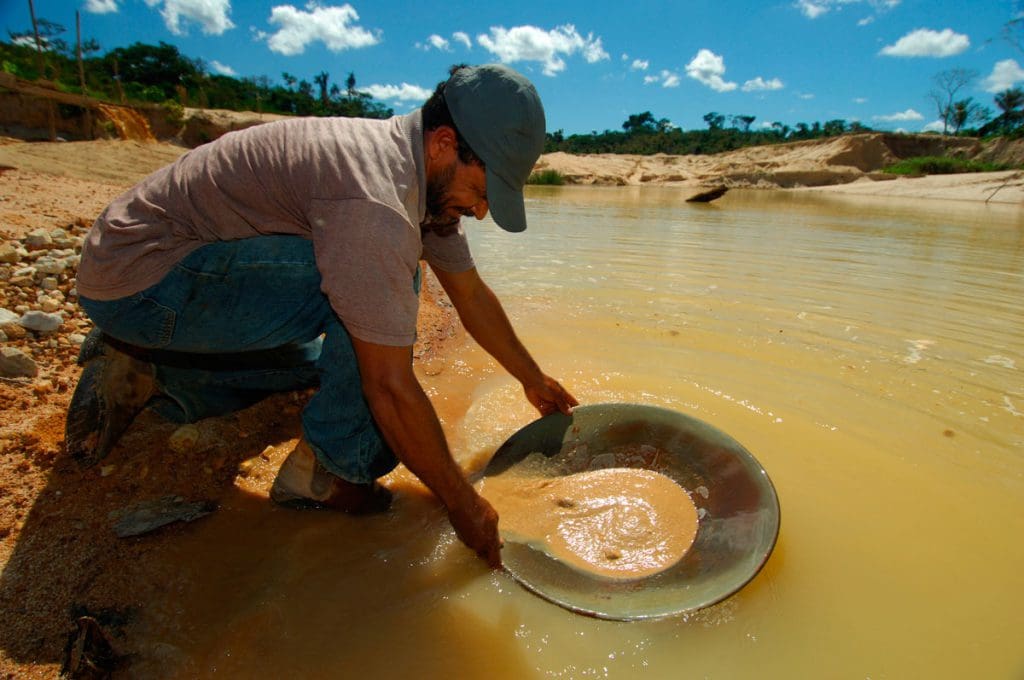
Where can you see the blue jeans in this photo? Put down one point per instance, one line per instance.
(236, 321)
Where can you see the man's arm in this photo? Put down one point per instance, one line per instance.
(482, 315)
(411, 428)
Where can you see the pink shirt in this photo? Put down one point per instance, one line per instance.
(356, 187)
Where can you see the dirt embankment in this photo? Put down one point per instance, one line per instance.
(838, 160)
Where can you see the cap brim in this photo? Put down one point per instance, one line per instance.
(506, 203)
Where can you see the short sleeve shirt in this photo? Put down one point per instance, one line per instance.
(355, 187)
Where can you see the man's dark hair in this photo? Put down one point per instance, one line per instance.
(436, 114)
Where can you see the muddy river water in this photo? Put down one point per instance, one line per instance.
(870, 354)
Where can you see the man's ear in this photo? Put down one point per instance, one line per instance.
(442, 144)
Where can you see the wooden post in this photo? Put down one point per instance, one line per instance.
(50, 114)
(81, 75)
(117, 79)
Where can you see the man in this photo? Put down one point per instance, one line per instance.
(287, 255)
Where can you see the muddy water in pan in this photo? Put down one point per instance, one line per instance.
(870, 354)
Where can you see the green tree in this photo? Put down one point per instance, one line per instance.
(947, 85)
(714, 120)
(321, 80)
(1011, 103)
(965, 112)
(640, 122)
(160, 67)
(743, 123)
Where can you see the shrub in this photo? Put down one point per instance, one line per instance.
(940, 165)
(548, 177)
(174, 113)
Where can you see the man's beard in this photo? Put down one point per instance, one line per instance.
(437, 196)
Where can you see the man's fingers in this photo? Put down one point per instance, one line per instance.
(493, 556)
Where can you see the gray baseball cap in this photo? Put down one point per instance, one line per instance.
(499, 114)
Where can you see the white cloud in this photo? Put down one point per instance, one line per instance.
(860, 100)
(666, 78)
(640, 65)
(934, 126)
(443, 44)
(211, 15)
(708, 68)
(925, 42)
(812, 9)
(866, 20)
(330, 25)
(529, 43)
(402, 93)
(758, 84)
(439, 43)
(100, 6)
(222, 69)
(805, 95)
(1005, 74)
(909, 114)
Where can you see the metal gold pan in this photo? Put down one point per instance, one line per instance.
(736, 501)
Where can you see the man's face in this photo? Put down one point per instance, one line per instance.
(454, 191)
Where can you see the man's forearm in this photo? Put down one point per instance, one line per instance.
(411, 428)
(485, 320)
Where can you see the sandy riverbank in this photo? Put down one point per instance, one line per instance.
(846, 165)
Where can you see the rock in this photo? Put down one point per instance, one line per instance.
(49, 283)
(13, 330)
(150, 515)
(90, 652)
(708, 195)
(7, 316)
(16, 364)
(50, 305)
(3, 336)
(62, 239)
(76, 339)
(184, 439)
(38, 240)
(41, 322)
(50, 265)
(9, 254)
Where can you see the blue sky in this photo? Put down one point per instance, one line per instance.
(595, 62)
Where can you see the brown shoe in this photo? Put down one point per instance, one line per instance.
(113, 389)
(304, 483)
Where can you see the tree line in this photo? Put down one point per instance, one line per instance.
(642, 133)
(144, 73)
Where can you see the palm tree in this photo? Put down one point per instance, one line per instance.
(1011, 103)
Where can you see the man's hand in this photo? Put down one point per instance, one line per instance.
(549, 396)
(476, 524)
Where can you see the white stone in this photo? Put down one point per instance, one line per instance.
(50, 265)
(16, 364)
(49, 283)
(41, 322)
(38, 239)
(49, 305)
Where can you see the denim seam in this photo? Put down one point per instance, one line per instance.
(166, 331)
